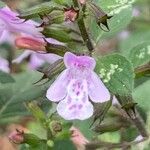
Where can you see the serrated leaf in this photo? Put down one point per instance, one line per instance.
(140, 54)
(40, 10)
(117, 74)
(6, 78)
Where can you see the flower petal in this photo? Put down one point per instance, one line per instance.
(35, 61)
(72, 60)
(97, 90)
(76, 104)
(58, 90)
(69, 59)
(49, 57)
(70, 109)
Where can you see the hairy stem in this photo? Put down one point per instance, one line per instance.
(83, 30)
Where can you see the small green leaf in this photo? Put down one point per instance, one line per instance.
(140, 54)
(6, 78)
(117, 74)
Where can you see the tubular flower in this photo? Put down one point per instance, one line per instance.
(10, 22)
(36, 59)
(75, 86)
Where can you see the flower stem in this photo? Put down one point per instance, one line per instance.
(83, 30)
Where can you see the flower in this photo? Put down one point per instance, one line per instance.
(4, 65)
(75, 86)
(36, 59)
(10, 22)
(78, 138)
(36, 50)
(17, 137)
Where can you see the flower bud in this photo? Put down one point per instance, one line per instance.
(30, 43)
(55, 127)
(17, 137)
(70, 14)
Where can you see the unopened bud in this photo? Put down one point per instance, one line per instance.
(56, 126)
(30, 43)
(50, 143)
(70, 14)
(17, 137)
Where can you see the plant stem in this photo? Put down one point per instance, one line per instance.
(83, 30)
(109, 145)
(138, 122)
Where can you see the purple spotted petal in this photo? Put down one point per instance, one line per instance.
(72, 60)
(71, 109)
(58, 89)
(97, 90)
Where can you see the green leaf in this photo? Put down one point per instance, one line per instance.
(6, 78)
(141, 95)
(64, 145)
(40, 10)
(140, 54)
(13, 95)
(117, 74)
(85, 126)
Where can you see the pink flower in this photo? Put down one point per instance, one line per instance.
(16, 137)
(10, 22)
(75, 86)
(4, 65)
